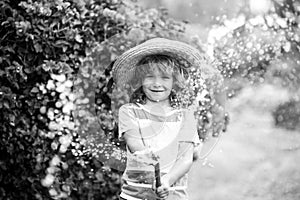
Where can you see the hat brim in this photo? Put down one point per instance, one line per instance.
(124, 67)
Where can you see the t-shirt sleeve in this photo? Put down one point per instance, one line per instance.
(188, 131)
(127, 120)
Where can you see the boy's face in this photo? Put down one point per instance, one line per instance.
(157, 85)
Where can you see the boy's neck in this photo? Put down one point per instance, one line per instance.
(158, 106)
(164, 103)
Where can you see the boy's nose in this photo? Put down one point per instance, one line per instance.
(157, 82)
(156, 86)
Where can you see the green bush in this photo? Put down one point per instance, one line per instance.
(38, 40)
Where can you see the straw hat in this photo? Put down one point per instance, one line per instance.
(124, 66)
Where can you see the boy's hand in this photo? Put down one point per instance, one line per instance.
(163, 190)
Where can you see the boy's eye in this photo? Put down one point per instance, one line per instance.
(166, 77)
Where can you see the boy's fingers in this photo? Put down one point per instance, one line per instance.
(162, 192)
(163, 196)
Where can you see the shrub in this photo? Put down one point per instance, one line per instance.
(42, 43)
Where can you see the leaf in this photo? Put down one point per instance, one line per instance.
(41, 27)
(6, 104)
(1, 71)
(34, 90)
(78, 38)
(77, 22)
(9, 49)
(61, 43)
(38, 47)
(64, 48)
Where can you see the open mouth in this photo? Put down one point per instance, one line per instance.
(157, 90)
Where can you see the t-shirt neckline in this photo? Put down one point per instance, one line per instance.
(156, 113)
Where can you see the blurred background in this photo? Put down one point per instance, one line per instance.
(198, 11)
(200, 14)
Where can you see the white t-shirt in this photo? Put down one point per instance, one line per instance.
(162, 132)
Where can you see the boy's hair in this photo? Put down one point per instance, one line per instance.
(166, 65)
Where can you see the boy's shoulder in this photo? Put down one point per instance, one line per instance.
(128, 106)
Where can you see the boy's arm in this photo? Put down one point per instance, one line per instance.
(129, 129)
(182, 165)
(133, 141)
